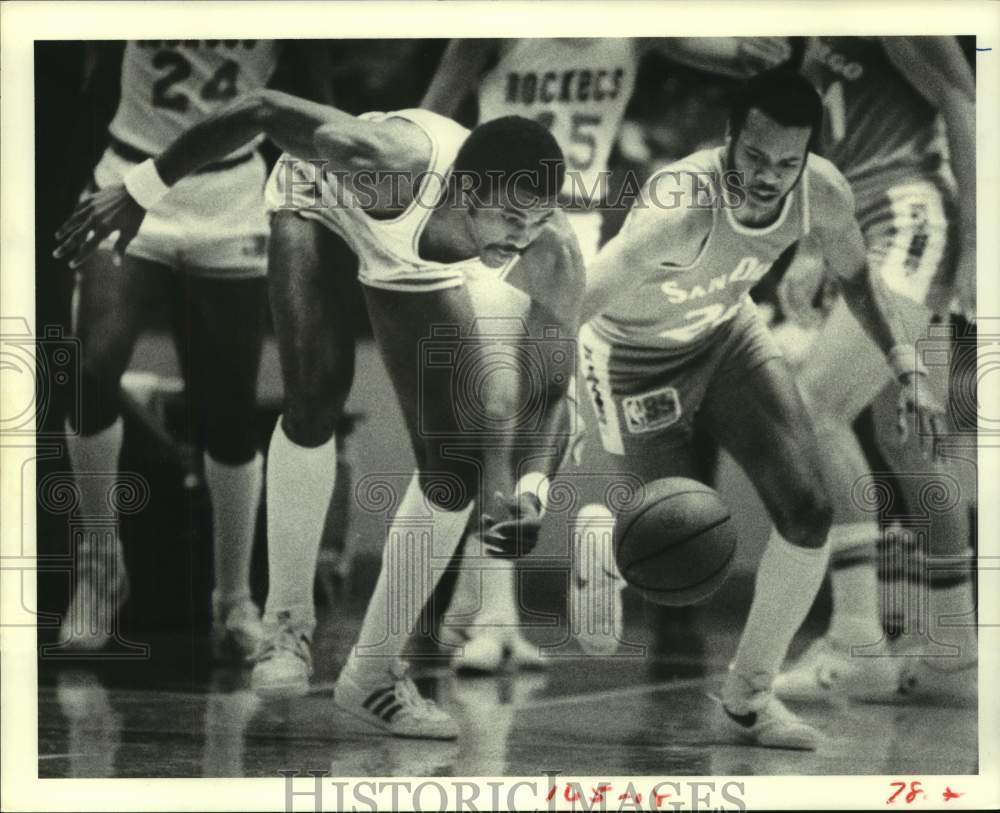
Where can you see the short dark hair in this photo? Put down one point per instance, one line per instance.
(783, 95)
(511, 149)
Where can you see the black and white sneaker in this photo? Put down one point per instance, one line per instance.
(395, 706)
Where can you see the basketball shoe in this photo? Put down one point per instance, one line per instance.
(393, 704)
(827, 671)
(750, 713)
(489, 651)
(237, 631)
(283, 663)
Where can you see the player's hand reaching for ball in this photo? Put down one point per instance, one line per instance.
(98, 215)
(919, 410)
(512, 529)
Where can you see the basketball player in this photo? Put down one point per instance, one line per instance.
(883, 97)
(480, 198)
(579, 89)
(209, 259)
(676, 343)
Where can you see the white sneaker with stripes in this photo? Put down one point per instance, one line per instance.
(395, 706)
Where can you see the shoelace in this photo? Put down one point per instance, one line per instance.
(410, 698)
(285, 639)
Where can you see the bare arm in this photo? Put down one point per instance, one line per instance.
(305, 129)
(662, 224)
(936, 67)
(737, 57)
(288, 121)
(458, 75)
(878, 310)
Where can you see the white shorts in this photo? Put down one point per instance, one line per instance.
(208, 224)
(909, 244)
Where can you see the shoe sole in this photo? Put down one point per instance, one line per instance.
(281, 691)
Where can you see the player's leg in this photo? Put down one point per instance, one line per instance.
(309, 273)
(486, 588)
(439, 499)
(907, 238)
(219, 327)
(113, 302)
(754, 409)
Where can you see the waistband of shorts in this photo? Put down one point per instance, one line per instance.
(135, 156)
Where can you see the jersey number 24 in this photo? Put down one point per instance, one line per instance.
(221, 87)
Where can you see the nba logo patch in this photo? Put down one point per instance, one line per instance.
(652, 410)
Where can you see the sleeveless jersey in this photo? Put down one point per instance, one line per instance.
(388, 250)
(877, 127)
(677, 309)
(169, 85)
(578, 88)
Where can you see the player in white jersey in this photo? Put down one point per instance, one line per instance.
(885, 98)
(675, 342)
(579, 89)
(203, 247)
(422, 201)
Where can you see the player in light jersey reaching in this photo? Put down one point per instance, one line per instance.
(422, 201)
(883, 97)
(203, 246)
(578, 88)
(677, 344)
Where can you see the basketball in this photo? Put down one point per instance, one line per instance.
(676, 548)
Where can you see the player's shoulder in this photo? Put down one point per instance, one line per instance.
(680, 195)
(829, 191)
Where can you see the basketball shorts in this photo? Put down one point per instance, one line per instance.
(910, 244)
(208, 224)
(642, 396)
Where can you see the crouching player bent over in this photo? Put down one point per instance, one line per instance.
(677, 343)
(451, 201)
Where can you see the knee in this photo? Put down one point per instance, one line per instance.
(313, 408)
(807, 521)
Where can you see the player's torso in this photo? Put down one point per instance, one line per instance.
(677, 309)
(169, 85)
(389, 249)
(876, 124)
(578, 88)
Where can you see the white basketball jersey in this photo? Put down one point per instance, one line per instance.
(578, 88)
(169, 85)
(388, 250)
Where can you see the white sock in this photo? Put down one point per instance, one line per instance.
(856, 618)
(421, 534)
(235, 494)
(96, 454)
(788, 579)
(299, 488)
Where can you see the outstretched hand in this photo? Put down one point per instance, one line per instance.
(98, 215)
(512, 529)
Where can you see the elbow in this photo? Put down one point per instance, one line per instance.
(262, 105)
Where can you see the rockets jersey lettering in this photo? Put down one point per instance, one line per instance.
(578, 88)
(388, 250)
(169, 85)
(677, 308)
(875, 121)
